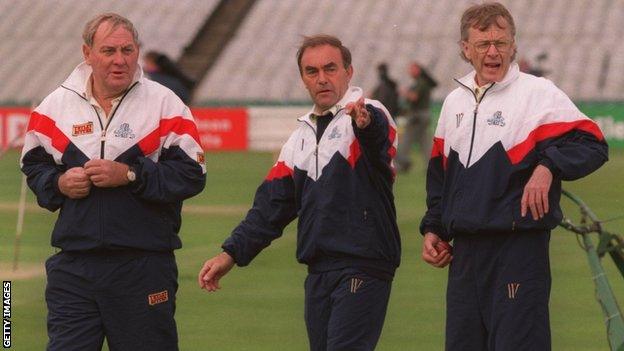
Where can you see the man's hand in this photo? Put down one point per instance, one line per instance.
(432, 256)
(74, 183)
(535, 195)
(358, 112)
(106, 173)
(213, 270)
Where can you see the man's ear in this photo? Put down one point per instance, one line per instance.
(86, 53)
(466, 50)
(349, 73)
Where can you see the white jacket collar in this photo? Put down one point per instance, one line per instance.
(77, 80)
(512, 74)
(351, 95)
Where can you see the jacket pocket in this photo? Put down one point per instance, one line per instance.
(362, 230)
(135, 222)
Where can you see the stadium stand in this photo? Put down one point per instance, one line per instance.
(578, 36)
(41, 42)
(41, 39)
(202, 52)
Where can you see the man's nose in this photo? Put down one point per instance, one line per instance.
(322, 78)
(492, 50)
(118, 58)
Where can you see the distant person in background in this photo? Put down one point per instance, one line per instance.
(534, 69)
(418, 117)
(505, 141)
(524, 65)
(161, 69)
(335, 174)
(386, 91)
(117, 154)
(538, 69)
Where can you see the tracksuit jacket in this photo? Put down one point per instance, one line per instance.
(485, 151)
(341, 190)
(150, 129)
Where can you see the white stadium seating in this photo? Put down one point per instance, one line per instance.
(41, 42)
(41, 39)
(259, 63)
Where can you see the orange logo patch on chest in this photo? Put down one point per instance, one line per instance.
(82, 129)
(158, 297)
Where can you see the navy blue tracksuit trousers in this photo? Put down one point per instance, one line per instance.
(345, 309)
(498, 292)
(126, 296)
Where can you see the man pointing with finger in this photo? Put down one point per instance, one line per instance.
(504, 142)
(336, 174)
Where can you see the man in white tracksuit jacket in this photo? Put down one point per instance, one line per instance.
(505, 140)
(335, 174)
(116, 154)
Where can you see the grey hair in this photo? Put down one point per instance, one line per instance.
(114, 19)
(481, 17)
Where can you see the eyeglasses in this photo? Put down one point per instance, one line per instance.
(501, 46)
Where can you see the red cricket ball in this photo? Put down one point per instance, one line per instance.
(444, 245)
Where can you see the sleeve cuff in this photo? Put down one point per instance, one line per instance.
(372, 128)
(433, 230)
(137, 185)
(439, 231)
(55, 184)
(546, 162)
(229, 251)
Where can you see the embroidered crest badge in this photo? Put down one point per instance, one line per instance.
(497, 119)
(124, 131)
(334, 134)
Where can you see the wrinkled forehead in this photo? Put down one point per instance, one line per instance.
(498, 30)
(321, 55)
(107, 31)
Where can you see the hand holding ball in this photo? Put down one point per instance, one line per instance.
(442, 246)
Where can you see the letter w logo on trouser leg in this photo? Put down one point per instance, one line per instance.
(512, 290)
(355, 284)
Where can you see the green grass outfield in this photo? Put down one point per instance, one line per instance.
(260, 307)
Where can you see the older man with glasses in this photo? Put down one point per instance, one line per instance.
(504, 142)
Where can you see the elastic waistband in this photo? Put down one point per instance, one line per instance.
(326, 264)
(114, 253)
(500, 233)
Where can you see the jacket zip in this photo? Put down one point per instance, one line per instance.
(99, 202)
(102, 134)
(102, 127)
(102, 140)
(317, 143)
(315, 149)
(110, 118)
(474, 127)
(474, 117)
(316, 156)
